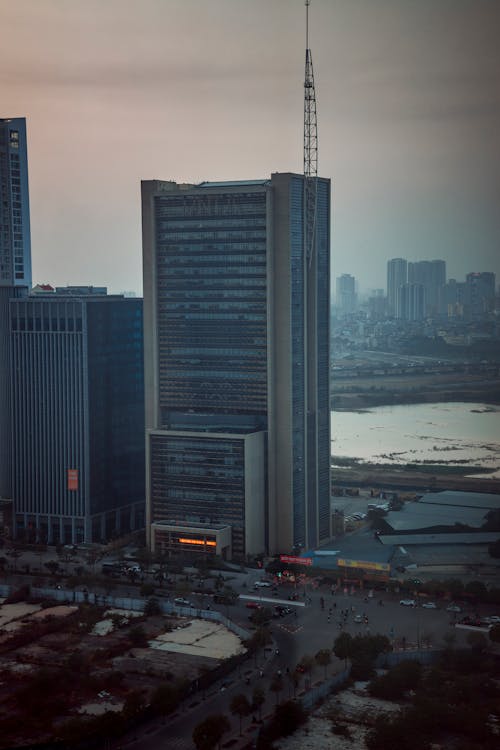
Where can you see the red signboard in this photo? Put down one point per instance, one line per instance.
(296, 560)
(72, 479)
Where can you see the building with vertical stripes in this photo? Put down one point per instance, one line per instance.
(397, 275)
(236, 335)
(15, 265)
(77, 417)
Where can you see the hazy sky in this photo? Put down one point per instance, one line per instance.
(115, 91)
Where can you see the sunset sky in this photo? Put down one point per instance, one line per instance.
(115, 91)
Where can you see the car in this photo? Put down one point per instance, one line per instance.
(408, 603)
(253, 605)
(282, 611)
(493, 620)
(429, 605)
(262, 584)
(358, 618)
(181, 602)
(453, 608)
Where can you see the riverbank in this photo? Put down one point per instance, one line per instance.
(383, 476)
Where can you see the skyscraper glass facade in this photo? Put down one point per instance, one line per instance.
(78, 415)
(237, 342)
(15, 238)
(211, 287)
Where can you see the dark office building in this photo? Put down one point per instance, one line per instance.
(78, 417)
(236, 364)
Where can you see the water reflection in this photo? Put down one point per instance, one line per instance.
(451, 433)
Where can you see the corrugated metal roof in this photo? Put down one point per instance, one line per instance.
(403, 540)
(462, 499)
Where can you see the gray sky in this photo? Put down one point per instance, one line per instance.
(115, 91)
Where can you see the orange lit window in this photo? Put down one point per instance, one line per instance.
(198, 541)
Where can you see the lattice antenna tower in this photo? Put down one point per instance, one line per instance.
(310, 150)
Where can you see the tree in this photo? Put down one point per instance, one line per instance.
(208, 733)
(134, 704)
(477, 641)
(342, 647)
(165, 699)
(258, 699)
(294, 677)
(152, 607)
(495, 634)
(262, 616)
(259, 639)
(138, 637)
(52, 566)
(240, 707)
(276, 686)
(323, 658)
(393, 684)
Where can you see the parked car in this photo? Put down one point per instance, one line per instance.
(253, 605)
(358, 618)
(408, 603)
(262, 584)
(453, 608)
(429, 605)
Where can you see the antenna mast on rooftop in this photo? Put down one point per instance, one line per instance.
(310, 149)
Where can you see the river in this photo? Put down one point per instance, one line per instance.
(460, 434)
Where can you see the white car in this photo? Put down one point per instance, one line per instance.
(429, 605)
(181, 602)
(408, 603)
(453, 608)
(262, 585)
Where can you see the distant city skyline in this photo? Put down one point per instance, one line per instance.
(116, 91)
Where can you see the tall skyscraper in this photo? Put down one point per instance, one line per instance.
(411, 302)
(396, 276)
(480, 293)
(431, 274)
(15, 238)
(345, 294)
(15, 266)
(78, 417)
(236, 338)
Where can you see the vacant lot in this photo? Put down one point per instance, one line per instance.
(59, 664)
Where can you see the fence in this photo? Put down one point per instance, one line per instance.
(318, 692)
(127, 602)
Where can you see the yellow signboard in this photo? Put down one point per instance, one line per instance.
(364, 564)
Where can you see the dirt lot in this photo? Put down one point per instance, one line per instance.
(59, 664)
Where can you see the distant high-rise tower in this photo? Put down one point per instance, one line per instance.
(236, 335)
(396, 277)
(15, 238)
(431, 274)
(480, 293)
(15, 266)
(411, 302)
(346, 294)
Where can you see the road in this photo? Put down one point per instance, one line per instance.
(295, 636)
